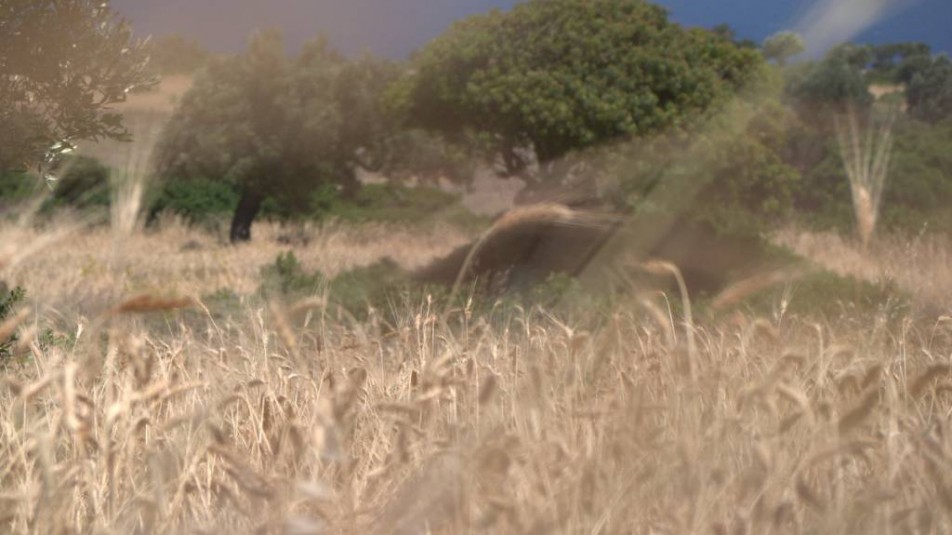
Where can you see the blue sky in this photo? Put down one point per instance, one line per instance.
(393, 28)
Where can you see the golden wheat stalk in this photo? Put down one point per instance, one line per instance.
(661, 267)
(528, 216)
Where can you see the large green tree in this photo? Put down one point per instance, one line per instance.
(63, 63)
(277, 126)
(552, 76)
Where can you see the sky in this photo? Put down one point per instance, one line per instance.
(394, 28)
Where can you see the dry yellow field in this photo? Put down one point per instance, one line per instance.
(287, 418)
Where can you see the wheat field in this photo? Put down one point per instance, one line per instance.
(130, 404)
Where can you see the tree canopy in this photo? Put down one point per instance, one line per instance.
(553, 76)
(63, 63)
(832, 84)
(930, 90)
(277, 126)
(782, 45)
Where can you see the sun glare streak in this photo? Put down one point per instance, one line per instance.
(827, 23)
(830, 22)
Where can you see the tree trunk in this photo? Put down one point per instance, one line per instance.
(248, 207)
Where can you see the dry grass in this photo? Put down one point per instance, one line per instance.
(921, 266)
(70, 267)
(282, 419)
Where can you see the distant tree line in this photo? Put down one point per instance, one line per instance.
(645, 114)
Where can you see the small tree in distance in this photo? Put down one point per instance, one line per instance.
(781, 46)
(278, 127)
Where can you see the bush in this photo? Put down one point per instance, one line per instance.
(287, 277)
(393, 203)
(824, 294)
(84, 184)
(199, 201)
(730, 174)
(9, 300)
(354, 291)
(205, 202)
(823, 200)
(16, 187)
(375, 286)
(918, 189)
(916, 195)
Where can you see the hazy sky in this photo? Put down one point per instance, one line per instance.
(395, 27)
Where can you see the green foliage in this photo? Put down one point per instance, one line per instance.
(252, 121)
(918, 193)
(729, 171)
(207, 203)
(9, 301)
(897, 62)
(823, 199)
(198, 200)
(929, 92)
(394, 203)
(724, 31)
(287, 277)
(781, 46)
(84, 183)
(376, 286)
(918, 190)
(355, 291)
(824, 294)
(16, 187)
(560, 75)
(280, 127)
(42, 101)
(830, 85)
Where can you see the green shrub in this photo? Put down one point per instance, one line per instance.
(393, 203)
(83, 184)
(354, 291)
(918, 188)
(823, 202)
(375, 286)
(286, 277)
(917, 193)
(204, 202)
(827, 295)
(197, 200)
(9, 300)
(16, 187)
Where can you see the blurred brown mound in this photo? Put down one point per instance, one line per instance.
(523, 247)
(530, 243)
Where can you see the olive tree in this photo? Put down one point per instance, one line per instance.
(63, 64)
(276, 126)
